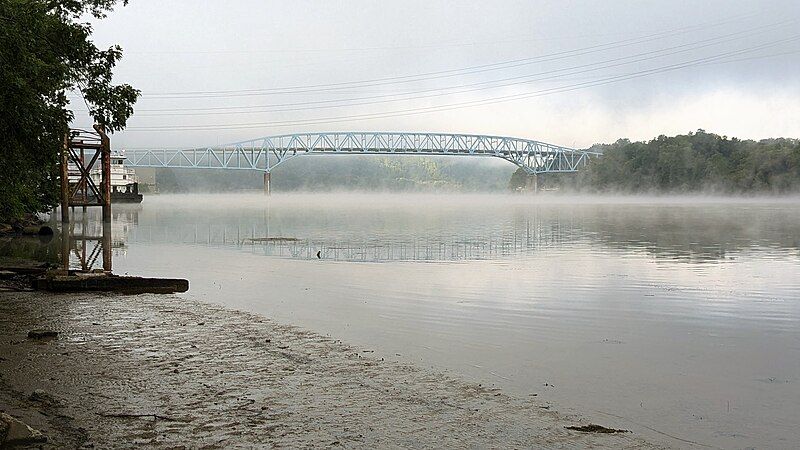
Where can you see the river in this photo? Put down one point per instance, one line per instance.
(677, 317)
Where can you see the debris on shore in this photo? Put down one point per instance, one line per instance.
(107, 282)
(42, 334)
(24, 275)
(593, 428)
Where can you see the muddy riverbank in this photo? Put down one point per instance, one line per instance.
(166, 372)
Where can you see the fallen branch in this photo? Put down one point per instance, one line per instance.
(592, 428)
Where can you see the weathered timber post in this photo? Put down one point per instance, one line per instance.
(65, 180)
(83, 186)
(267, 183)
(106, 246)
(65, 245)
(105, 161)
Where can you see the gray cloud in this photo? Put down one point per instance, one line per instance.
(248, 46)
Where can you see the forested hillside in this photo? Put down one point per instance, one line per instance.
(695, 162)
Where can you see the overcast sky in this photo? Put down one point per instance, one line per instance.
(567, 72)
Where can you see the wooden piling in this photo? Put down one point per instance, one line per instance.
(105, 160)
(65, 180)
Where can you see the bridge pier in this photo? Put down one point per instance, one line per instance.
(267, 183)
(532, 183)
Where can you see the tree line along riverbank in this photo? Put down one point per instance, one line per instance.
(694, 162)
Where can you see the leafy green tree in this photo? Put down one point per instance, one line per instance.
(698, 161)
(518, 179)
(45, 52)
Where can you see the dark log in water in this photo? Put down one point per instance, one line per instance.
(112, 283)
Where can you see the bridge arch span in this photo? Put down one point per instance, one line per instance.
(264, 154)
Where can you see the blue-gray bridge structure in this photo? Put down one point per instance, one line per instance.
(265, 154)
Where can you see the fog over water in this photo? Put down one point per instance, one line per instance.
(678, 318)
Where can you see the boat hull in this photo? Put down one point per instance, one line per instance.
(126, 197)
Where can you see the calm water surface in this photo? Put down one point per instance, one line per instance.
(676, 318)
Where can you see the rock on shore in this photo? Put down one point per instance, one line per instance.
(15, 433)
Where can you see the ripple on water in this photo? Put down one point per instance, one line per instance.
(663, 310)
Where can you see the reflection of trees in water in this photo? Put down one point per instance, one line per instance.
(688, 231)
(44, 248)
(86, 240)
(697, 232)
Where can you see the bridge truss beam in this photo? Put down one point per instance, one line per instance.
(266, 153)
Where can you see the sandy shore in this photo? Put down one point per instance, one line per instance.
(169, 372)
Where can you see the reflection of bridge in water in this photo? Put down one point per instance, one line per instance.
(432, 248)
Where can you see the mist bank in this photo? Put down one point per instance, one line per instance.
(698, 162)
(693, 163)
(350, 172)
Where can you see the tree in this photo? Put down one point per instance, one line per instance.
(698, 161)
(46, 51)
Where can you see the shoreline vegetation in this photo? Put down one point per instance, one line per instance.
(694, 163)
(165, 371)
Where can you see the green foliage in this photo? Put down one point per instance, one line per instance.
(695, 162)
(517, 180)
(44, 52)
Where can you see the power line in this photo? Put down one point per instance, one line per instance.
(490, 84)
(427, 46)
(439, 92)
(440, 74)
(501, 99)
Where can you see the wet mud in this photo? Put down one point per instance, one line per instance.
(169, 372)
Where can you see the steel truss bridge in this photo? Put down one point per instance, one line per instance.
(264, 154)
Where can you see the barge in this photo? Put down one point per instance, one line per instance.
(124, 183)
